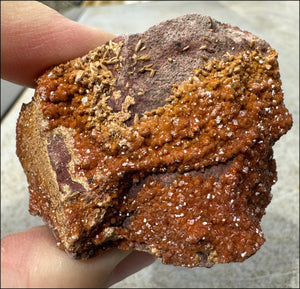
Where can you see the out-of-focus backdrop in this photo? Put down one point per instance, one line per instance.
(276, 264)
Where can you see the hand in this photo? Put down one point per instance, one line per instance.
(34, 38)
(31, 259)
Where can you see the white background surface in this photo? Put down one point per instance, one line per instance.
(276, 264)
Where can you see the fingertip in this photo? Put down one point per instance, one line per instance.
(34, 38)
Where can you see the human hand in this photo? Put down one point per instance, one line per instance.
(31, 260)
(34, 38)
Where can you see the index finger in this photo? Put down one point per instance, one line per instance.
(35, 37)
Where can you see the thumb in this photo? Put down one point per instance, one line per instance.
(31, 259)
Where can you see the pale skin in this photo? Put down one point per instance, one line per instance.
(34, 38)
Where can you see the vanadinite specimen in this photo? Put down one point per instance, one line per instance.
(160, 141)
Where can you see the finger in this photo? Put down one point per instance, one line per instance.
(130, 265)
(35, 37)
(31, 259)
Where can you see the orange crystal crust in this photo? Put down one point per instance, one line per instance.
(228, 113)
